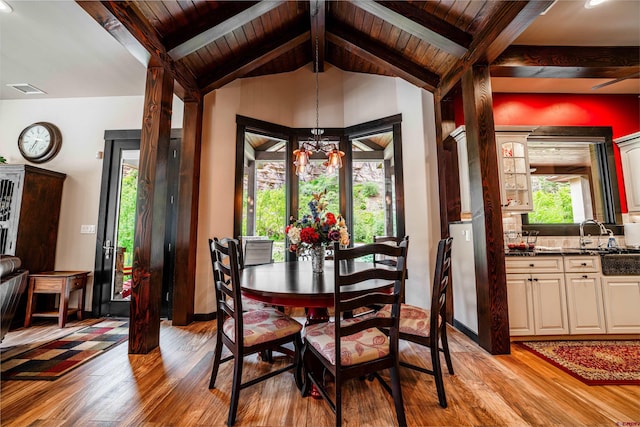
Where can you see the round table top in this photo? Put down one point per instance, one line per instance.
(294, 283)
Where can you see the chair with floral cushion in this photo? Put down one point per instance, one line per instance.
(355, 347)
(246, 332)
(247, 303)
(429, 327)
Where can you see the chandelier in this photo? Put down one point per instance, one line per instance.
(316, 143)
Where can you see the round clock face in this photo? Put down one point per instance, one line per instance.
(40, 142)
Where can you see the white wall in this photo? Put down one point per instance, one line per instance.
(82, 122)
(345, 99)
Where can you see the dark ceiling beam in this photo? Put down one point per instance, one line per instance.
(364, 47)
(415, 21)
(245, 64)
(567, 62)
(202, 22)
(510, 19)
(127, 25)
(231, 24)
(317, 12)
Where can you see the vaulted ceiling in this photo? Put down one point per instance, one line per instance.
(207, 44)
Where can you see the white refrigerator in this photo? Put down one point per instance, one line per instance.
(465, 304)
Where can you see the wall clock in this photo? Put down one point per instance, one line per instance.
(40, 142)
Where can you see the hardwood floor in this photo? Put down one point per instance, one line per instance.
(168, 387)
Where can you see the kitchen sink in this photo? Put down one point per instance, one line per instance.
(620, 264)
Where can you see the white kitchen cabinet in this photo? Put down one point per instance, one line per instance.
(513, 165)
(630, 156)
(584, 303)
(621, 296)
(549, 304)
(584, 295)
(536, 296)
(520, 301)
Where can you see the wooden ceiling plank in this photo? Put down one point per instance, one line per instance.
(433, 31)
(317, 12)
(223, 28)
(382, 56)
(237, 69)
(566, 62)
(205, 17)
(509, 20)
(127, 25)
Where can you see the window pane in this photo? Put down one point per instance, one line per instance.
(553, 201)
(370, 202)
(270, 200)
(317, 181)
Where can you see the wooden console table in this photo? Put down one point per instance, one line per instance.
(56, 282)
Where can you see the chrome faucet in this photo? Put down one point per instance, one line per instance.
(583, 241)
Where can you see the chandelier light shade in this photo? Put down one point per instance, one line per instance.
(316, 143)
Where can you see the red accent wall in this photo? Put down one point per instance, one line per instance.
(621, 112)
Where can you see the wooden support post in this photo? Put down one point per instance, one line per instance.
(491, 283)
(148, 259)
(187, 224)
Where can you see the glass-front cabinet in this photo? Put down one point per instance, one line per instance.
(515, 180)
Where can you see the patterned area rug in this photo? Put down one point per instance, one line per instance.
(52, 360)
(593, 362)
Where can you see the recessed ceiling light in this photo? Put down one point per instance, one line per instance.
(593, 3)
(4, 7)
(26, 88)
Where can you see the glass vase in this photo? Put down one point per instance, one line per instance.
(317, 259)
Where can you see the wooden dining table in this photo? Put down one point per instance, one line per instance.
(294, 284)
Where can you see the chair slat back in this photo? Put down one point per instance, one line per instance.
(226, 268)
(389, 240)
(346, 301)
(441, 279)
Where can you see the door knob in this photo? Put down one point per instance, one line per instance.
(108, 249)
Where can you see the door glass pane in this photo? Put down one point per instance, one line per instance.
(125, 225)
(374, 208)
(264, 191)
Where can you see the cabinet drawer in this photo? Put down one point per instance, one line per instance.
(581, 264)
(534, 264)
(77, 282)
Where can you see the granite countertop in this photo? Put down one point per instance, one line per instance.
(570, 251)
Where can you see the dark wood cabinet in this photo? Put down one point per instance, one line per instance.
(30, 199)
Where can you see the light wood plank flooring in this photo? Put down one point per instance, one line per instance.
(168, 387)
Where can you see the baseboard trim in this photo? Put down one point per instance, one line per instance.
(204, 317)
(468, 332)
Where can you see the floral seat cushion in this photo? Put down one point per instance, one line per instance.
(261, 326)
(360, 347)
(413, 320)
(249, 304)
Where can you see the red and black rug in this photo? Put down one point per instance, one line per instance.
(592, 362)
(52, 360)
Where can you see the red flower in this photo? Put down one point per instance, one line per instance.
(309, 235)
(330, 219)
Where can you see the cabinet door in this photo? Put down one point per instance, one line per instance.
(11, 184)
(513, 162)
(621, 303)
(550, 304)
(584, 304)
(520, 304)
(630, 157)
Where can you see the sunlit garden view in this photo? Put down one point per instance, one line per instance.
(551, 202)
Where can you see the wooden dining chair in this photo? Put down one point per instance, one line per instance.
(389, 240)
(355, 347)
(246, 332)
(429, 327)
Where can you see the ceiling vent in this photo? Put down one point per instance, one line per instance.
(26, 88)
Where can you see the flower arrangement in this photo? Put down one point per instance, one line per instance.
(319, 228)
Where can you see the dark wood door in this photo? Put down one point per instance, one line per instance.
(116, 225)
